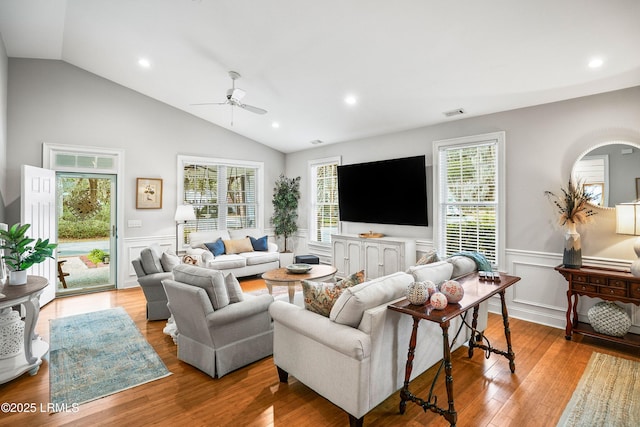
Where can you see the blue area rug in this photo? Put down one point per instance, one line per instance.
(96, 354)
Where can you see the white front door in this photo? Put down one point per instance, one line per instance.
(38, 208)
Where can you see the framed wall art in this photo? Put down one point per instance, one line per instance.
(148, 193)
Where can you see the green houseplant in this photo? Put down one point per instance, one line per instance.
(286, 195)
(20, 254)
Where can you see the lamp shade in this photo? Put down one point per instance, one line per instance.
(185, 213)
(628, 218)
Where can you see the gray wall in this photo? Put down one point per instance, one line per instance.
(4, 65)
(54, 102)
(542, 143)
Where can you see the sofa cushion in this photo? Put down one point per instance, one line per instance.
(233, 288)
(169, 260)
(237, 246)
(462, 265)
(319, 297)
(225, 262)
(255, 258)
(150, 259)
(259, 244)
(353, 302)
(212, 281)
(216, 248)
(197, 239)
(437, 272)
(244, 232)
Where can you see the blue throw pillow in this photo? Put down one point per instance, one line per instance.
(259, 244)
(216, 248)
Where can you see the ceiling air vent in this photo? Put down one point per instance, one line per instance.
(455, 112)
(316, 142)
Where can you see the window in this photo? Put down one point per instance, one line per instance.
(470, 202)
(324, 199)
(225, 194)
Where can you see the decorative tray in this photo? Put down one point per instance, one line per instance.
(298, 268)
(371, 235)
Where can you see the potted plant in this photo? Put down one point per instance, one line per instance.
(286, 195)
(19, 254)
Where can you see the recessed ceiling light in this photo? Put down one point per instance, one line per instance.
(351, 100)
(316, 142)
(596, 63)
(275, 125)
(144, 63)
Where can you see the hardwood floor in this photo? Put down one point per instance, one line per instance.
(486, 394)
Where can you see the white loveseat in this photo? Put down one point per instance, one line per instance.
(356, 357)
(241, 263)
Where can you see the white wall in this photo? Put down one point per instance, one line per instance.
(54, 102)
(542, 143)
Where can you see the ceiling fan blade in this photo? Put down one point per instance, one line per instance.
(252, 109)
(211, 103)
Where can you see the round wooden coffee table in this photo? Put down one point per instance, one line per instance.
(281, 277)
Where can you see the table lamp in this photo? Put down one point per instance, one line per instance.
(628, 222)
(184, 213)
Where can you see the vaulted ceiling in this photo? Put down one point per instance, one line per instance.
(404, 63)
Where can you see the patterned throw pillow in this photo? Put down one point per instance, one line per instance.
(428, 258)
(319, 297)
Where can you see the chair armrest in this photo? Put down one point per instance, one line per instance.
(154, 279)
(251, 305)
(203, 254)
(349, 341)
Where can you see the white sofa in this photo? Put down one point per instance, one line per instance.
(356, 357)
(247, 263)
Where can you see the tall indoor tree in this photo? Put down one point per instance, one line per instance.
(286, 195)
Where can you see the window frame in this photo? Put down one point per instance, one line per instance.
(313, 188)
(497, 138)
(220, 162)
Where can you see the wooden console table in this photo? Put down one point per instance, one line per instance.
(30, 358)
(599, 282)
(475, 292)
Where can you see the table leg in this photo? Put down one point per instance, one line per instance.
(404, 393)
(450, 415)
(269, 286)
(474, 325)
(576, 298)
(568, 331)
(507, 333)
(292, 291)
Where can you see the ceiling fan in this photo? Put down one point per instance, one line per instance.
(234, 98)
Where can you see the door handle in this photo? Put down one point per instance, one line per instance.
(113, 230)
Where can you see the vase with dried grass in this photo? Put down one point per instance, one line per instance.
(573, 206)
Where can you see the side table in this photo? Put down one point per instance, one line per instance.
(599, 282)
(475, 292)
(30, 358)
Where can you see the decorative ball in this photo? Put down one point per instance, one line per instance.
(438, 301)
(609, 318)
(431, 287)
(452, 290)
(417, 293)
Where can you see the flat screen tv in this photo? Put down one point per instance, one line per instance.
(384, 192)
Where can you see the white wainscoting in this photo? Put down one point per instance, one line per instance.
(132, 248)
(541, 294)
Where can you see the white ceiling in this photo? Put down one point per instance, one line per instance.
(406, 61)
